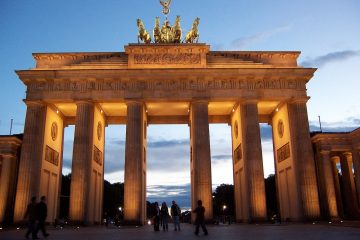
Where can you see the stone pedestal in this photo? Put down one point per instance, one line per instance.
(81, 163)
(31, 158)
(328, 186)
(201, 187)
(135, 164)
(303, 159)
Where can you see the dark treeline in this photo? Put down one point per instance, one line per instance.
(114, 198)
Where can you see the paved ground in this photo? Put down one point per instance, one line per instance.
(318, 231)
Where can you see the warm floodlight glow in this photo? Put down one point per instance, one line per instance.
(57, 111)
(149, 222)
(277, 109)
(224, 207)
(233, 110)
(101, 111)
(120, 208)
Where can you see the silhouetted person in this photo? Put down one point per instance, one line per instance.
(42, 214)
(175, 213)
(164, 213)
(31, 216)
(157, 217)
(200, 218)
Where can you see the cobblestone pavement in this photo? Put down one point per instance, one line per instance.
(318, 231)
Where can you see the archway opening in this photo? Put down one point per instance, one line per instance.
(168, 165)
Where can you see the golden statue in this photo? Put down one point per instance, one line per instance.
(193, 35)
(143, 35)
(157, 31)
(177, 30)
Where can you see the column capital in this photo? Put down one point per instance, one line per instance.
(299, 100)
(249, 101)
(199, 100)
(77, 102)
(34, 103)
(347, 154)
(335, 158)
(325, 152)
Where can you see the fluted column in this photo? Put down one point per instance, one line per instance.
(303, 159)
(356, 165)
(328, 185)
(6, 184)
(201, 159)
(135, 175)
(31, 157)
(81, 163)
(253, 163)
(335, 171)
(349, 184)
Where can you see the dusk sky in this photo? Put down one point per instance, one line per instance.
(325, 31)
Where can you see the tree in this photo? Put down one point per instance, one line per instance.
(224, 196)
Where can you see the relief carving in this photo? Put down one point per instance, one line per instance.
(166, 58)
(143, 85)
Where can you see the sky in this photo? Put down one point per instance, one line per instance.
(325, 31)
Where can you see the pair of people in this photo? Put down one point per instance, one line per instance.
(161, 217)
(36, 214)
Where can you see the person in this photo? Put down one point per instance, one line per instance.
(175, 214)
(164, 213)
(30, 214)
(200, 218)
(156, 217)
(42, 214)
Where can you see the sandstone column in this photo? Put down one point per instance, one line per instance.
(31, 157)
(81, 163)
(335, 171)
(201, 187)
(356, 165)
(253, 164)
(7, 186)
(135, 165)
(328, 185)
(349, 184)
(303, 159)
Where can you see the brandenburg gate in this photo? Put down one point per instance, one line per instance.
(167, 83)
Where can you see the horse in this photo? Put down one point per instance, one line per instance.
(156, 31)
(143, 35)
(177, 30)
(193, 35)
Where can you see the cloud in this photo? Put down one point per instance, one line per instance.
(167, 193)
(221, 157)
(348, 125)
(242, 42)
(167, 143)
(321, 61)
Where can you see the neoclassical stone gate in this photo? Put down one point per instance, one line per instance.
(167, 83)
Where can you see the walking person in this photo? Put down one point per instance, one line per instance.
(200, 218)
(42, 214)
(175, 214)
(31, 216)
(156, 217)
(164, 214)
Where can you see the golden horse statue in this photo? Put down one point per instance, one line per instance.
(157, 31)
(177, 30)
(193, 35)
(143, 35)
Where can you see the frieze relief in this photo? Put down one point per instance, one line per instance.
(166, 58)
(143, 85)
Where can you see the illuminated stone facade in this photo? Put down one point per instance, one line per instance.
(339, 197)
(164, 84)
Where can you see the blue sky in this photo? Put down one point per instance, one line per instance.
(325, 31)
